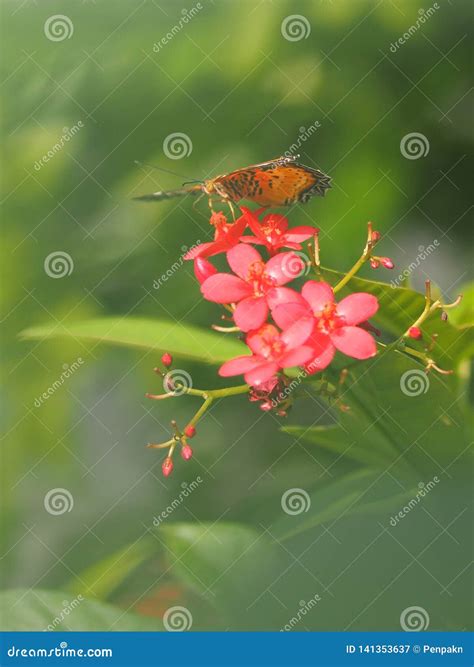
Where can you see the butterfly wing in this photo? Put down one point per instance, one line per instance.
(280, 182)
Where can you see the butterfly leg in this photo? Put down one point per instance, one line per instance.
(232, 210)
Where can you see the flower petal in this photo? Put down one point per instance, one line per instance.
(258, 340)
(298, 333)
(276, 221)
(355, 342)
(323, 358)
(358, 307)
(239, 365)
(240, 257)
(296, 357)
(317, 294)
(285, 314)
(251, 313)
(203, 269)
(300, 234)
(284, 267)
(261, 374)
(224, 288)
(204, 250)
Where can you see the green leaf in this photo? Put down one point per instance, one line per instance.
(401, 306)
(182, 340)
(102, 578)
(24, 609)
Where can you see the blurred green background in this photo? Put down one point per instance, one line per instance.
(242, 92)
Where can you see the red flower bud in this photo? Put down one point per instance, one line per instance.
(167, 466)
(190, 431)
(375, 237)
(387, 262)
(415, 332)
(167, 359)
(374, 263)
(203, 269)
(186, 452)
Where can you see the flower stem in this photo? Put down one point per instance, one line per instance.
(360, 262)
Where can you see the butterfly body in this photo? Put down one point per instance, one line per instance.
(280, 182)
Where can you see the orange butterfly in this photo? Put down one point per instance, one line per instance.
(279, 182)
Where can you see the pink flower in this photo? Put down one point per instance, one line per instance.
(273, 233)
(203, 269)
(255, 287)
(226, 236)
(335, 323)
(272, 351)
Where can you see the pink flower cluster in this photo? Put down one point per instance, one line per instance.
(284, 328)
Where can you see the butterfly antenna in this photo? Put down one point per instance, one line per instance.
(167, 171)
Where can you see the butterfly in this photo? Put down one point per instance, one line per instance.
(279, 182)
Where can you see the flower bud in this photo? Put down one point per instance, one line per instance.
(374, 263)
(415, 332)
(375, 236)
(190, 431)
(186, 452)
(203, 269)
(387, 262)
(167, 360)
(444, 316)
(167, 466)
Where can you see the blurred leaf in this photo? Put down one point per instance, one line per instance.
(463, 315)
(36, 609)
(182, 340)
(102, 578)
(211, 558)
(342, 497)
